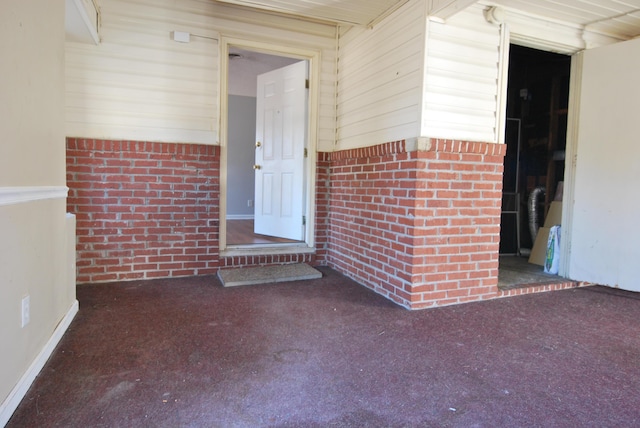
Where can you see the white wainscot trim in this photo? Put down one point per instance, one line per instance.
(20, 390)
(17, 195)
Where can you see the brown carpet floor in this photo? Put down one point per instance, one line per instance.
(330, 353)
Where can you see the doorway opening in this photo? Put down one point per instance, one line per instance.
(535, 135)
(266, 168)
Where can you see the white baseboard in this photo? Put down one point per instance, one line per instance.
(20, 390)
(240, 216)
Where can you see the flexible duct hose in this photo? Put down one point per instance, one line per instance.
(535, 194)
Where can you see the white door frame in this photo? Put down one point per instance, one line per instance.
(313, 57)
(544, 44)
(570, 158)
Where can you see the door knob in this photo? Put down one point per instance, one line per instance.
(257, 167)
(258, 144)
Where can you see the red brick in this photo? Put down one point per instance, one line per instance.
(122, 168)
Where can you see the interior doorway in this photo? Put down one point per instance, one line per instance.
(266, 171)
(535, 135)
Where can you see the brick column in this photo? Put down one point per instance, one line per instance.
(457, 223)
(419, 227)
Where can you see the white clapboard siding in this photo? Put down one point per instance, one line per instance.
(140, 84)
(461, 84)
(380, 79)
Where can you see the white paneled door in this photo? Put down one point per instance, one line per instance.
(280, 145)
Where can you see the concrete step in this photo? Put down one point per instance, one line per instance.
(267, 274)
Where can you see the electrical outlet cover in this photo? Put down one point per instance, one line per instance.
(26, 315)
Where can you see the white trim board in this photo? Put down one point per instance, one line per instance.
(240, 216)
(17, 195)
(313, 56)
(20, 390)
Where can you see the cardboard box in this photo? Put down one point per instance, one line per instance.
(554, 216)
(539, 250)
(559, 191)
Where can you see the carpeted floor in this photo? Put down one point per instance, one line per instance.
(329, 353)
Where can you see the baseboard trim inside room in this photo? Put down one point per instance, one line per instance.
(20, 390)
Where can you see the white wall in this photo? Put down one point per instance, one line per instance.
(36, 235)
(462, 74)
(380, 79)
(605, 236)
(139, 84)
(241, 155)
(411, 77)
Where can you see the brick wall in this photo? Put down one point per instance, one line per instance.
(143, 209)
(371, 210)
(457, 235)
(267, 260)
(323, 198)
(420, 227)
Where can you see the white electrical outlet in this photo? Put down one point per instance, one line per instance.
(26, 316)
(249, 203)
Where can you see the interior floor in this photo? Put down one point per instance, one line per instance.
(516, 271)
(330, 353)
(240, 232)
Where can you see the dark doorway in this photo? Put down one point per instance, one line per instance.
(535, 135)
(537, 104)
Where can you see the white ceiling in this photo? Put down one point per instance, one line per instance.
(617, 18)
(354, 12)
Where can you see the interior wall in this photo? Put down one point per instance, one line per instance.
(241, 156)
(245, 68)
(31, 156)
(34, 229)
(605, 234)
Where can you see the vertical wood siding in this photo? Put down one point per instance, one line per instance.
(139, 84)
(461, 86)
(380, 78)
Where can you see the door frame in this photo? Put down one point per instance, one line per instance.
(313, 57)
(544, 43)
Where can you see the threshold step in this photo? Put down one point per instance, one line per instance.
(267, 274)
